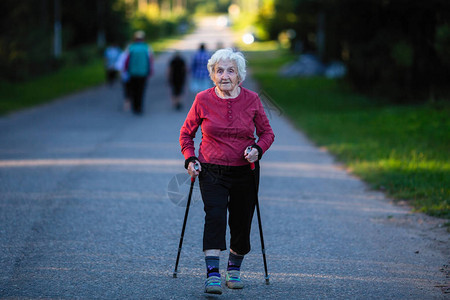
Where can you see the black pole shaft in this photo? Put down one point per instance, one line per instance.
(263, 248)
(184, 227)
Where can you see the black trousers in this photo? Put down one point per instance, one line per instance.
(111, 75)
(137, 88)
(228, 188)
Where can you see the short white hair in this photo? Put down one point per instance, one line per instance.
(225, 54)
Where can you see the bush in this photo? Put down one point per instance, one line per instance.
(160, 28)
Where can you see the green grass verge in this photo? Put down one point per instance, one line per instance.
(15, 96)
(402, 150)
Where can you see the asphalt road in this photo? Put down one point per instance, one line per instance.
(91, 208)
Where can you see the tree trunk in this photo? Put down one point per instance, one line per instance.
(57, 37)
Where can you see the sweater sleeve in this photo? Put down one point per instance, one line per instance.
(127, 62)
(263, 129)
(189, 129)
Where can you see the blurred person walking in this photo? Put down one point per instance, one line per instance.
(177, 78)
(229, 115)
(111, 55)
(125, 78)
(139, 66)
(199, 72)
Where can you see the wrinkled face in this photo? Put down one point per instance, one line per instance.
(226, 75)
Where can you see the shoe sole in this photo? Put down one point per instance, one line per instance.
(214, 291)
(236, 287)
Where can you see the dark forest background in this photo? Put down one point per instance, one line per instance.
(397, 49)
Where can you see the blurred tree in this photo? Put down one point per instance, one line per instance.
(391, 45)
(57, 34)
(37, 36)
(396, 48)
(208, 6)
(25, 38)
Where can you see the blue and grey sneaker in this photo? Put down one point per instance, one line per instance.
(233, 280)
(212, 285)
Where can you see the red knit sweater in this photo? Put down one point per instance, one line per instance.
(228, 127)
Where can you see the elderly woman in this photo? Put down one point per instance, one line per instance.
(228, 115)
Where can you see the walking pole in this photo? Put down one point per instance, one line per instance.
(263, 249)
(184, 222)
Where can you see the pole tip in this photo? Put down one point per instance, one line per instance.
(174, 275)
(267, 281)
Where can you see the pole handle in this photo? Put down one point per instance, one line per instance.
(196, 167)
(247, 151)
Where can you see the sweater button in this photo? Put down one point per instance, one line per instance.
(230, 117)
(229, 111)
